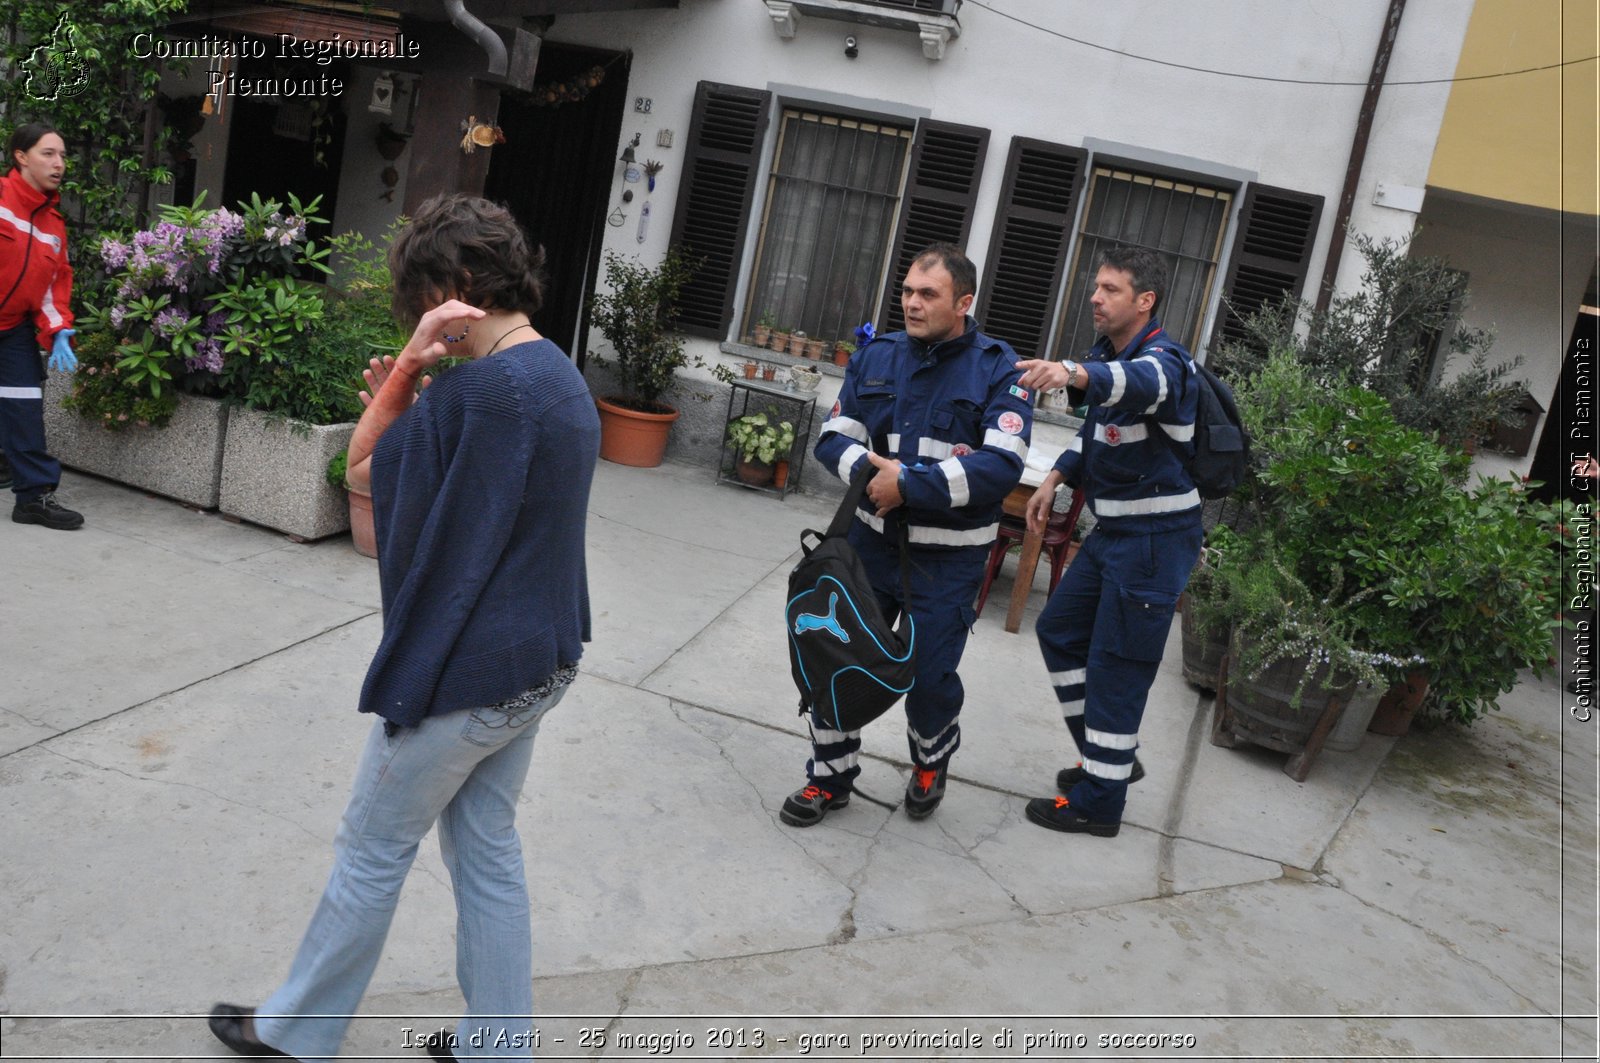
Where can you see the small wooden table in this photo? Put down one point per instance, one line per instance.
(1016, 505)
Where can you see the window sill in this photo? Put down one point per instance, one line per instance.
(935, 28)
(771, 357)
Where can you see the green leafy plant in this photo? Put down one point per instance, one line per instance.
(1379, 336)
(767, 320)
(99, 392)
(636, 314)
(338, 468)
(757, 437)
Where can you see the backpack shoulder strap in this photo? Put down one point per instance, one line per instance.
(852, 499)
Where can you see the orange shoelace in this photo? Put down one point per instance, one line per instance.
(1061, 802)
(810, 793)
(925, 778)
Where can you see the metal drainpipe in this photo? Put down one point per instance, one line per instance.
(1358, 151)
(478, 30)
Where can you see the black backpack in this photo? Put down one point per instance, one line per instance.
(1221, 444)
(849, 665)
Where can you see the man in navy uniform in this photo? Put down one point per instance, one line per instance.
(938, 410)
(1105, 627)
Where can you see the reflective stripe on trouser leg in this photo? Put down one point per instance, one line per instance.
(33, 470)
(1065, 628)
(1143, 574)
(833, 758)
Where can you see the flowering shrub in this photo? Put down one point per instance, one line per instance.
(204, 301)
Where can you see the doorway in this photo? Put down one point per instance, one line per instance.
(555, 172)
(279, 145)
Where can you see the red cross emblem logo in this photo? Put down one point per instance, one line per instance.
(961, 450)
(1113, 436)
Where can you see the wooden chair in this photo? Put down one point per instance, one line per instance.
(1058, 532)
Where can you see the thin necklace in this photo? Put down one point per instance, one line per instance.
(496, 344)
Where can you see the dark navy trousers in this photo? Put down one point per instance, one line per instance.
(944, 584)
(33, 470)
(1102, 635)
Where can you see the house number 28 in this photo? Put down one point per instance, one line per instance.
(642, 104)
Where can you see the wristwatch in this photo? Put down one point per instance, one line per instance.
(1072, 370)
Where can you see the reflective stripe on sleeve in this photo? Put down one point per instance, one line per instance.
(21, 393)
(955, 477)
(993, 437)
(1183, 433)
(847, 460)
(847, 426)
(1119, 383)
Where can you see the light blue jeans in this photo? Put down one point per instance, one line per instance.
(464, 770)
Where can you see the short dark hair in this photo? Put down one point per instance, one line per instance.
(962, 272)
(26, 136)
(467, 248)
(1144, 266)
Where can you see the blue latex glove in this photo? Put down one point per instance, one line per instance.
(62, 360)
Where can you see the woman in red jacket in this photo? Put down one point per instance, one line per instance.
(35, 312)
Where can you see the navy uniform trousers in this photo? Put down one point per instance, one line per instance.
(944, 584)
(33, 470)
(1102, 635)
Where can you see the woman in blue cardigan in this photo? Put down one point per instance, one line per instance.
(480, 487)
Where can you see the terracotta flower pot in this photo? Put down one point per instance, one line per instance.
(754, 473)
(779, 341)
(841, 356)
(797, 345)
(632, 437)
(761, 335)
(363, 531)
(814, 349)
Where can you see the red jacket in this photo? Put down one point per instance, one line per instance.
(33, 233)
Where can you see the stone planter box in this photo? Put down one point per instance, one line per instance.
(274, 473)
(181, 461)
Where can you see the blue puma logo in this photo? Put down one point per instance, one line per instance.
(812, 622)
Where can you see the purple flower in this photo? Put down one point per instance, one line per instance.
(113, 254)
(169, 321)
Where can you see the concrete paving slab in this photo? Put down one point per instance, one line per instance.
(329, 567)
(198, 534)
(104, 621)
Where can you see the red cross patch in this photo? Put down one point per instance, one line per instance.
(1010, 423)
(1113, 436)
(961, 450)
(835, 411)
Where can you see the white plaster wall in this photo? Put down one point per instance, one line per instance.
(361, 205)
(1017, 81)
(1526, 272)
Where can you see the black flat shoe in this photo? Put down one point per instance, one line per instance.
(438, 1046)
(227, 1025)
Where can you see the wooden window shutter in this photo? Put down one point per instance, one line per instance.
(1028, 253)
(1270, 256)
(722, 157)
(946, 163)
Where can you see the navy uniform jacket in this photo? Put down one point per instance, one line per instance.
(1133, 480)
(952, 413)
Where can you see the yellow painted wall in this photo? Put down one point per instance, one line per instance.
(1527, 138)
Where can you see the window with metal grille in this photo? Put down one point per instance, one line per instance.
(832, 200)
(1182, 220)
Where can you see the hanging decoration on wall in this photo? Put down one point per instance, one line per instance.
(651, 168)
(644, 221)
(572, 90)
(479, 135)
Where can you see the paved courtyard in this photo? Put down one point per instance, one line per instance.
(178, 736)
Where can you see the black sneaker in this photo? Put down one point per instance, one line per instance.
(807, 805)
(47, 511)
(925, 790)
(1056, 814)
(1067, 778)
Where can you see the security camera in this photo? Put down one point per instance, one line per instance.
(850, 48)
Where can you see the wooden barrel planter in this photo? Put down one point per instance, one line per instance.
(1260, 710)
(1203, 650)
(1399, 705)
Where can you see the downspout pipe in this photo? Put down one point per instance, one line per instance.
(1358, 152)
(479, 31)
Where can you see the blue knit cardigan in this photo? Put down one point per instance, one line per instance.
(480, 493)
